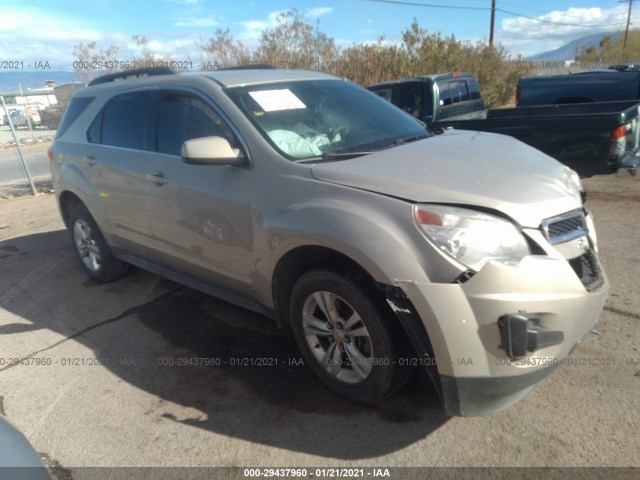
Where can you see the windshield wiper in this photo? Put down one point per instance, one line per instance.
(336, 155)
(330, 156)
(410, 138)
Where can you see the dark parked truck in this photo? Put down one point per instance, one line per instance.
(590, 138)
(606, 85)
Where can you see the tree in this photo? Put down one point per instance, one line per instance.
(294, 43)
(365, 64)
(610, 51)
(89, 57)
(92, 61)
(224, 51)
(422, 52)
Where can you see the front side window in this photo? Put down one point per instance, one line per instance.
(125, 122)
(183, 117)
(323, 118)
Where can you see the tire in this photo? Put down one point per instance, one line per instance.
(347, 336)
(92, 250)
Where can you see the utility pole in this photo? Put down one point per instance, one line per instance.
(493, 19)
(626, 32)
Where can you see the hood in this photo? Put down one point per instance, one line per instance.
(464, 168)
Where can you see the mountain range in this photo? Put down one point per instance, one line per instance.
(573, 48)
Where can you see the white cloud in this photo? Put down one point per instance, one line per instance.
(556, 28)
(178, 49)
(254, 28)
(318, 12)
(207, 21)
(27, 34)
(31, 35)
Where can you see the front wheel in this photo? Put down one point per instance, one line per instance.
(91, 248)
(347, 337)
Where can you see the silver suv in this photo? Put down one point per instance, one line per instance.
(313, 201)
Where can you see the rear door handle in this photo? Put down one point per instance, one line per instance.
(89, 160)
(156, 177)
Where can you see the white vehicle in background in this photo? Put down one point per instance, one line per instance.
(21, 119)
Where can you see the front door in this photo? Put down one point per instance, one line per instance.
(201, 217)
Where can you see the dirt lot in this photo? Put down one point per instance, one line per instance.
(103, 392)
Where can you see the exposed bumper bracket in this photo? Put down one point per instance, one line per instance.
(521, 333)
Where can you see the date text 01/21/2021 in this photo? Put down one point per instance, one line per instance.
(230, 361)
(316, 473)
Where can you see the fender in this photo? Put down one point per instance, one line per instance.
(76, 182)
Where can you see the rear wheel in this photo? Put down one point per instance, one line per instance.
(346, 337)
(92, 250)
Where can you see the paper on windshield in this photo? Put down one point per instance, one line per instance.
(273, 100)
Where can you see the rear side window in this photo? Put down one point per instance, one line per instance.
(75, 108)
(183, 117)
(124, 122)
(453, 92)
(474, 90)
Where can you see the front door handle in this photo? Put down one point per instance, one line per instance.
(156, 177)
(89, 160)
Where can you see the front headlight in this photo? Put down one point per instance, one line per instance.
(471, 237)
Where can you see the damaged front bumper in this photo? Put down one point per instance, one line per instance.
(477, 371)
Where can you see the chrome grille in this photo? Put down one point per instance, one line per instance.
(565, 227)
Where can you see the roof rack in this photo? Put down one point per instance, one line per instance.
(137, 72)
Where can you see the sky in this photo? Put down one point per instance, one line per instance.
(47, 30)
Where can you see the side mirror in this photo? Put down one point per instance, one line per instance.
(211, 151)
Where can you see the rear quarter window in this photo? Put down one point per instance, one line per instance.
(75, 108)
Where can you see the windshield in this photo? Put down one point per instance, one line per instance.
(324, 118)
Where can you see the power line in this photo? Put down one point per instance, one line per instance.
(431, 5)
(507, 12)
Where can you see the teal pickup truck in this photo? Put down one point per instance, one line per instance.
(590, 138)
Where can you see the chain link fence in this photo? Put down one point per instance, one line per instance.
(26, 133)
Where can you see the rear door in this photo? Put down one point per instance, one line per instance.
(120, 159)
